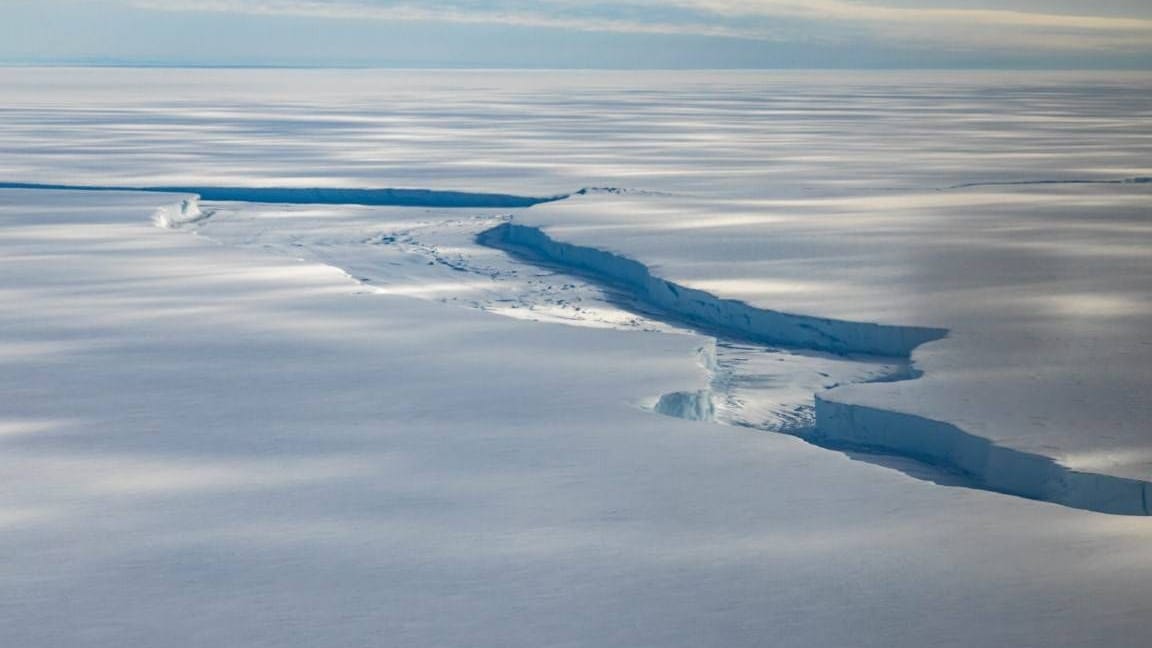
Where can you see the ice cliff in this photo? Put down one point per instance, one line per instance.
(839, 425)
(724, 316)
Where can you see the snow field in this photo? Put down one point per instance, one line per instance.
(209, 446)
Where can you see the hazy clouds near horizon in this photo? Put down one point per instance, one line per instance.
(581, 33)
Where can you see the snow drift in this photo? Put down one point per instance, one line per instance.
(173, 216)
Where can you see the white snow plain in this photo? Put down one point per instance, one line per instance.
(210, 442)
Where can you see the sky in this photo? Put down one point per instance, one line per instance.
(581, 33)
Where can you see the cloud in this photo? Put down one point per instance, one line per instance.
(516, 14)
(1014, 25)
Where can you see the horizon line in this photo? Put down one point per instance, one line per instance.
(509, 68)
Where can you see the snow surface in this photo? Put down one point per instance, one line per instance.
(720, 134)
(210, 445)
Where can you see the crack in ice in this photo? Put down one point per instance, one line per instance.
(948, 454)
(859, 431)
(398, 197)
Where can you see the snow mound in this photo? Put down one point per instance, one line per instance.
(173, 216)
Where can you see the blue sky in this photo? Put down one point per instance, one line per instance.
(581, 33)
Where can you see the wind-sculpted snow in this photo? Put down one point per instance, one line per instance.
(840, 425)
(693, 406)
(323, 195)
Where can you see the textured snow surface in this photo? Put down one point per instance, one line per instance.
(725, 134)
(212, 442)
(208, 446)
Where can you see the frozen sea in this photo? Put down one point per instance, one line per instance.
(472, 358)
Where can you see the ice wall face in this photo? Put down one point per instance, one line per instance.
(840, 424)
(733, 317)
(691, 406)
(993, 467)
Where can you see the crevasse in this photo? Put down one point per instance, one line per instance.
(838, 424)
